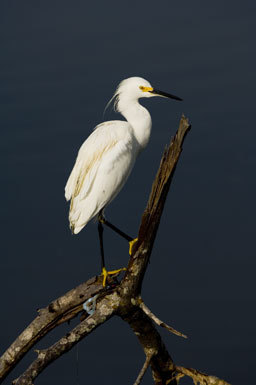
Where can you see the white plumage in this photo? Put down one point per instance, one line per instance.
(103, 164)
(106, 158)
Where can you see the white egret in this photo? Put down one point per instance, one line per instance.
(107, 157)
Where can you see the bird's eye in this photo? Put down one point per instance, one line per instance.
(142, 88)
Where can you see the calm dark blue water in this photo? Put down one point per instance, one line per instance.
(60, 63)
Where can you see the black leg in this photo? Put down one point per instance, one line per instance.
(100, 230)
(114, 228)
(118, 231)
(104, 272)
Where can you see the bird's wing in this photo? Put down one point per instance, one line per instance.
(103, 138)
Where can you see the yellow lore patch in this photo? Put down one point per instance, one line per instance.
(146, 89)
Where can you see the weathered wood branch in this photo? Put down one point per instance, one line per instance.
(122, 299)
(57, 312)
(161, 363)
(153, 212)
(158, 321)
(143, 369)
(199, 377)
(45, 357)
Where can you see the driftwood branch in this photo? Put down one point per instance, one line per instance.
(45, 357)
(158, 321)
(199, 377)
(57, 312)
(143, 369)
(122, 299)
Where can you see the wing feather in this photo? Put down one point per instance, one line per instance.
(88, 160)
(106, 138)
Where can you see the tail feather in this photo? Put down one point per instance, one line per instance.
(81, 212)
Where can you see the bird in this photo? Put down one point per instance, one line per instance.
(106, 159)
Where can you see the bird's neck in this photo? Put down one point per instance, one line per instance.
(138, 117)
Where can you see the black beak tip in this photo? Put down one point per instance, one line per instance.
(166, 95)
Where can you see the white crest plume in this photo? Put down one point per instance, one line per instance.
(114, 99)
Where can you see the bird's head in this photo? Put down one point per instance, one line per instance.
(134, 88)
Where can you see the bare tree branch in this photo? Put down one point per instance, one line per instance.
(158, 321)
(152, 214)
(58, 311)
(143, 370)
(199, 377)
(105, 309)
(122, 300)
(162, 365)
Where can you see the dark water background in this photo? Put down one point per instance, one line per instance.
(60, 63)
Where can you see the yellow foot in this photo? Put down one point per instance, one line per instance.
(131, 243)
(106, 273)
